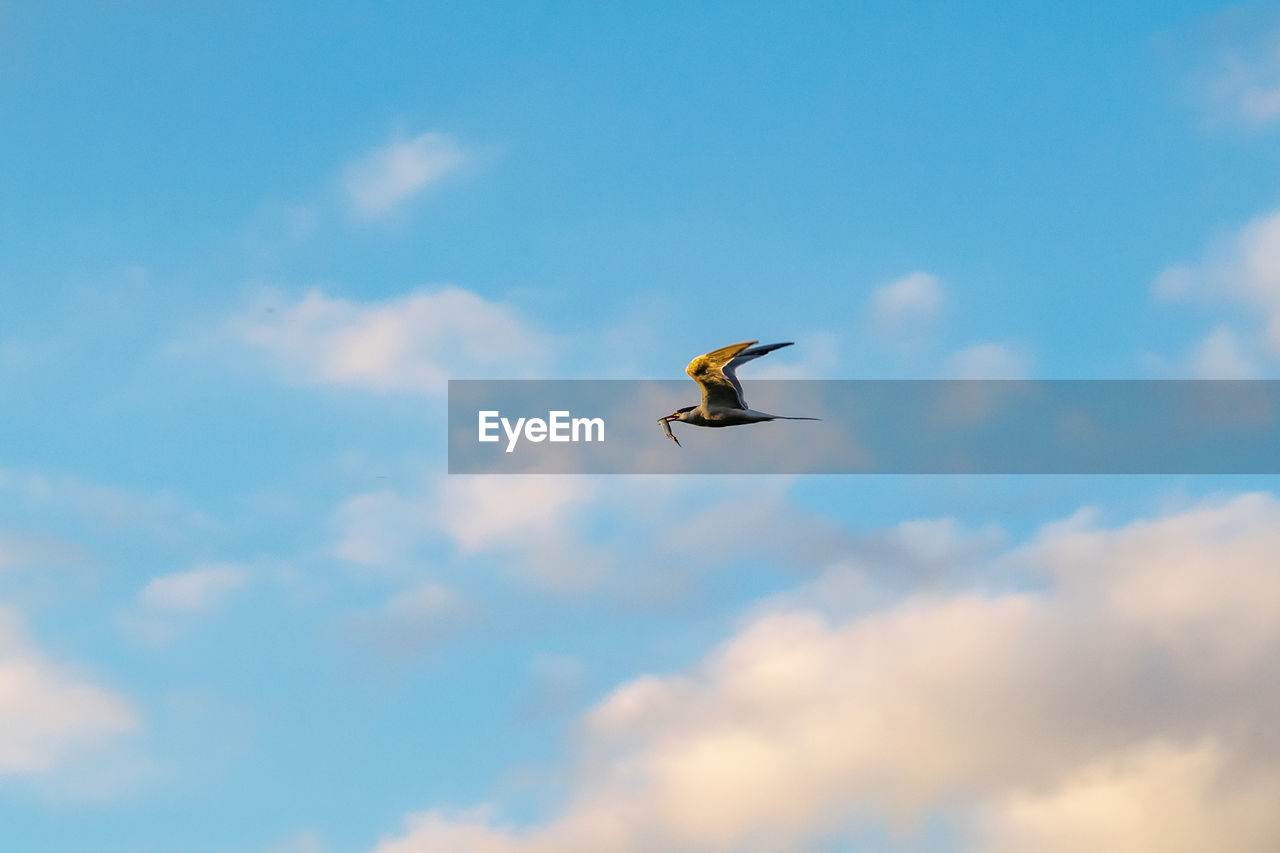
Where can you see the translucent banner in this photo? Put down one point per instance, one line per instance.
(870, 427)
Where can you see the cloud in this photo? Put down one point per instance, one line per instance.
(1120, 697)
(565, 533)
(200, 589)
(19, 550)
(1176, 798)
(1244, 85)
(818, 356)
(528, 518)
(532, 519)
(306, 841)
(1221, 355)
(414, 342)
(989, 361)
(167, 604)
(556, 683)
(50, 716)
(387, 177)
(914, 298)
(756, 523)
(484, 512)
(381, 528)
(1241, 269)
(414, 620)
(372, 188)
(161, 514)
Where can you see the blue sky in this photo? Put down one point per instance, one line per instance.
(243, 608)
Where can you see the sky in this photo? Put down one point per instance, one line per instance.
(243, 247)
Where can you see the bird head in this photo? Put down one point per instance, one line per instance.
(678, 414)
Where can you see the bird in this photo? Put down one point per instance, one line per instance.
(723, 403)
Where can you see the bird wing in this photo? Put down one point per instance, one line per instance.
(718, 390)
(730, 370)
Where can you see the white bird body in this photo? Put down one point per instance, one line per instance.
(723, 403)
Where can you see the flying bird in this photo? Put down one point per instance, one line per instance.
(723, 403)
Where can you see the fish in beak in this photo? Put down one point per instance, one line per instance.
(666, 427)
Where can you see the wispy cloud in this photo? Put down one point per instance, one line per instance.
(1243, 266)
(414, 620)
(200, 589)
(1031, 716)
(532, 519)
(388, 177)
(382, 528)
(51, 716)
(169, 604)
(306, 841)
(914, 298)
(556, 682)
(1240, 270)
(483, 512)
(990, 361)
(414, 342)
(1244, 83)
(819, 355)
(1156, 796)
(1221, 355)
(375, 187)
(161, 514)
(19, 550)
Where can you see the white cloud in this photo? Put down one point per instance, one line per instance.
(1161, 796)
(460, 832)
(1124, 701)
(990, 361)
(818, 356)
(160, 514)
(50, 716)
(1241, 269)
(200, 589)
(381, 528)
(306, 841)
(1221, 355)
(545, 530)
(410, 343)
(169, 603)
(914, 298)
(530, 518)
(555, 683)
(414, 620)
(429, 601)
(387, 177)
(1175, 282)
(483, 512)
(21, 550)
(1245, 85)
